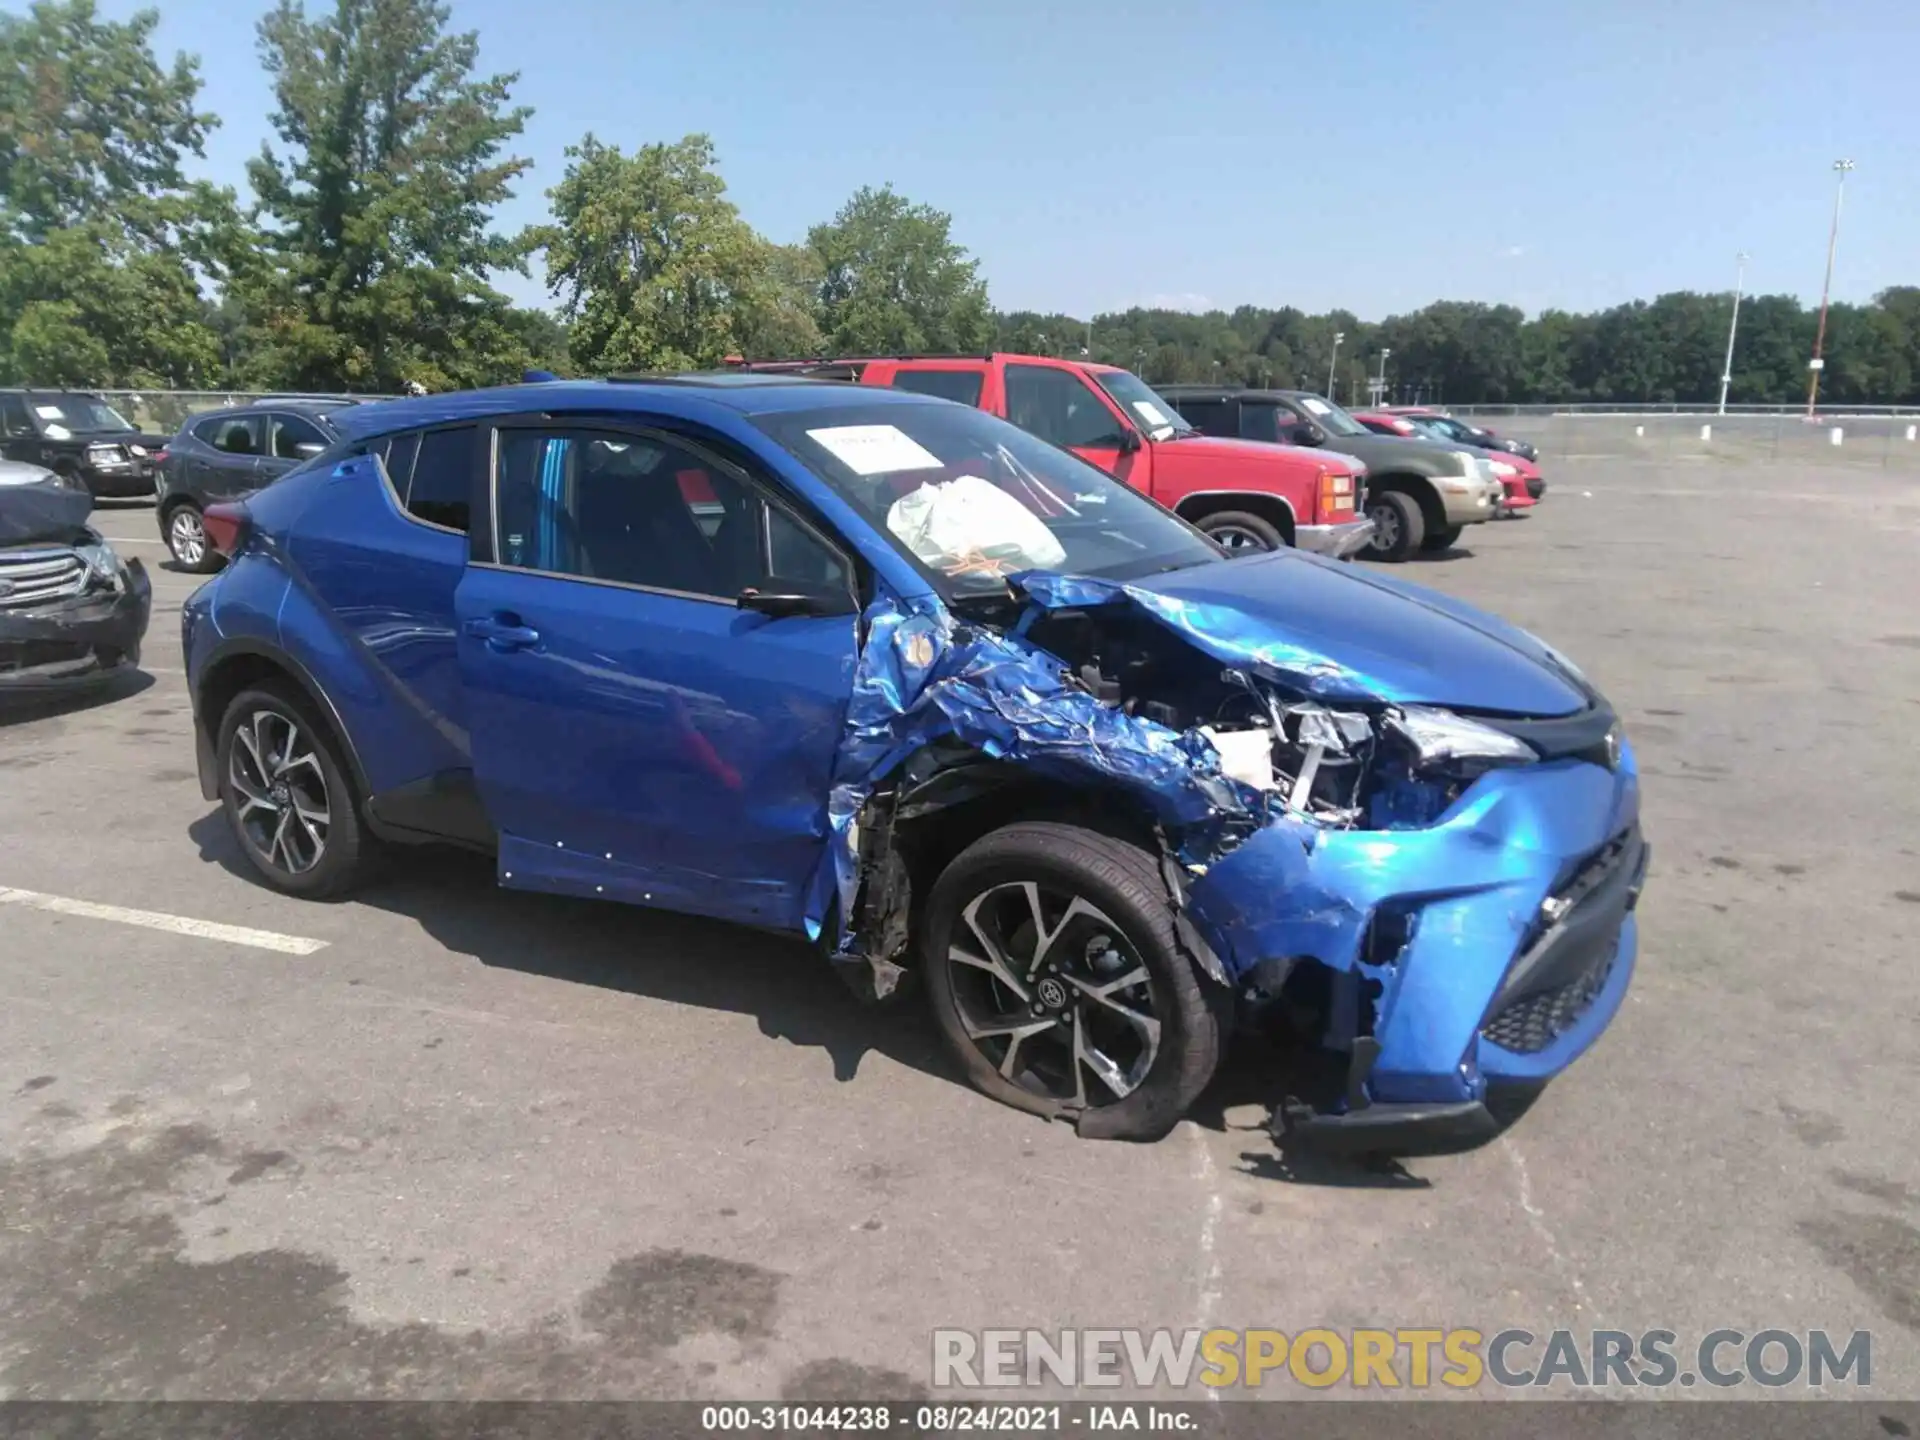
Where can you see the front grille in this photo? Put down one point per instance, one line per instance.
(1532, 1023)
(1571, 950)
(35, 577)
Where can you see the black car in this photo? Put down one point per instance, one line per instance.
(72, 612)
(80, 438)
(228, 454)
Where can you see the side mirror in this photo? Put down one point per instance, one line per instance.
(791, 600)
(1129, 440)
(1308, 433)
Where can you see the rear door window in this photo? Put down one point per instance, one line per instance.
(440, 489)
(13, 416)
(961, 385)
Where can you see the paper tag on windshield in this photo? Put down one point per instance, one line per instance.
(48, 412)
(1151, 413)
(1318, 407)
(875, 449)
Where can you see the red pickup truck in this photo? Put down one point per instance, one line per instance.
(1245, 494)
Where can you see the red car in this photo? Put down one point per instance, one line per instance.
(1519, 477)
(1245, 494)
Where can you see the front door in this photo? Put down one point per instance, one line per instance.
(636, 734)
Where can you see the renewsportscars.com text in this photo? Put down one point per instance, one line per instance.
(1381, 1359)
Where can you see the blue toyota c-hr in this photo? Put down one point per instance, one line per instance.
(887, 671)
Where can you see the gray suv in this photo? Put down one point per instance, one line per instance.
(1420, 493)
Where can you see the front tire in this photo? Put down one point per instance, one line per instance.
(1439, 540)
(1399, 528)
(187, 540)
(1241, 532)
(287, 795)
(1055, 977)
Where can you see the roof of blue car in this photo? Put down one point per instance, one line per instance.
(677, 395)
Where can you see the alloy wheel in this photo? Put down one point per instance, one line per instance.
(1052, 994)
(1386, 527)
(186, 536)
(279, 791)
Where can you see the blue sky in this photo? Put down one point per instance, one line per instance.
(1102, 153)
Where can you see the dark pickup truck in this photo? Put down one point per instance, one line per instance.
(1420, 493)
(81, 438)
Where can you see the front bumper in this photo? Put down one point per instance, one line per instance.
(1336, 542)
(1469, 506)
(118, 482)
(80, 641)
(1509, 943)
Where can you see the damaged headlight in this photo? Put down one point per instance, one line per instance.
(103, 562)
(1440, 738)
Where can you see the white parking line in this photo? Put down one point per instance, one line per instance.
(155, 920)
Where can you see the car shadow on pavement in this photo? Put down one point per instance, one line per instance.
(26, 707)
(783, 982)
(1258, 1074)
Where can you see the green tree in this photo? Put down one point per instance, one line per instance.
(380, 202)
(894, 280)
(103, 244)
(654, 267)
(778, 319)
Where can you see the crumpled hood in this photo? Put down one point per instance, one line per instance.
(1379, 638)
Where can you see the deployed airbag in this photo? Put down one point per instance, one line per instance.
(960, 523)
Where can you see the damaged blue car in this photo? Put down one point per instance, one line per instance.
(978, 718)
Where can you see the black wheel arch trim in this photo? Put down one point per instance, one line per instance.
(303, 677)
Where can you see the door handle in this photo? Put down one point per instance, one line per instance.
(502, 632)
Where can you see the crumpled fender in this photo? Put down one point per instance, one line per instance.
(921, 677)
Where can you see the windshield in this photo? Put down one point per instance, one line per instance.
(80, 414)
(1143, 404)
(975, 499)
(1331, 418)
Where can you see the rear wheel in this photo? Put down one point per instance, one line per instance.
(1239, 531)
(1438, 540)
(1055, 977)
(187, 540)
(1398, 526)
(288, 796)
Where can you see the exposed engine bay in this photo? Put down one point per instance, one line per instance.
(1307, 757)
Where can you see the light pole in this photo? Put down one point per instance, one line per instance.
(1338, 336)
(1733, 325)
(1380, 385)
(1816, 365)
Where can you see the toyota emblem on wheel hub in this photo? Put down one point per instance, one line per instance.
(1052, 994)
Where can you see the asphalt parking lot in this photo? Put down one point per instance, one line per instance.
(443, 1140)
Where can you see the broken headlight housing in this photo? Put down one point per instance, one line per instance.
(104, 565)
(1442, 740)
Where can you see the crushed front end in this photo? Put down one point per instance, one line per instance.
(1438, 902)
(71, 610)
